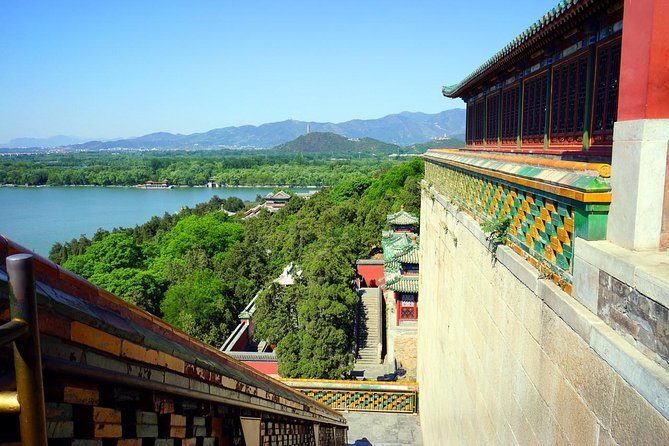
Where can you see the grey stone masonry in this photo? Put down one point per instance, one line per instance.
(635, 316)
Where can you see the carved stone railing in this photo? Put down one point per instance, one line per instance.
(549, 202)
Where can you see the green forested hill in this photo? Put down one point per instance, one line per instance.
(443, 143)
(199, 268)
(320, 142)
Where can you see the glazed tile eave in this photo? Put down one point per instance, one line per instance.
(577, 185)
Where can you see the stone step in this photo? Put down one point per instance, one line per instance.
(367, 361)
(370, 349)
(369, 341)
(367, 354)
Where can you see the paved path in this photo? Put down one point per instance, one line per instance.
(383, 429)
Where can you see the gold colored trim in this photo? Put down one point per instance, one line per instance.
(9, 402)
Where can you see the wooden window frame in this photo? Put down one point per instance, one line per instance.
(492, 119)
(469, 130)
(478, 131)
(509, 114)
(568, 109)
(399, 307)
(533, 125)
(603, 138)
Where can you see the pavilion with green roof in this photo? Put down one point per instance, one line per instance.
(401, 248)
(402, 221)
(401, 265)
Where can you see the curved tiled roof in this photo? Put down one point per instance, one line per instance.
(391, 266)
(547, 23)
(402, 218)
(281, 195)
(403, 284)
(409, 256)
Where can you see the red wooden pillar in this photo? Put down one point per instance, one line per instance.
(398, 308)
(644, 76)
(638, 219)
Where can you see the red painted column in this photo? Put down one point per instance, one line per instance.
(644, 67)
(398, 308)
(638, 216)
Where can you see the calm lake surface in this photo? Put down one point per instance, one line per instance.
(37, 217)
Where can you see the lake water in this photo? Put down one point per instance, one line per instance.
(37, 217)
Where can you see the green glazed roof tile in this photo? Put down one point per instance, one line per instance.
(403, 284)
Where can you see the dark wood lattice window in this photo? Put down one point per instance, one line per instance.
(606, 93)
(568, 101)
(479, 122)
(534, 109)
(510, 115)
(492, 126)
(470, 123)
(408, 306)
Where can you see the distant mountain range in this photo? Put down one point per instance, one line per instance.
(54, 141)
(401, 129)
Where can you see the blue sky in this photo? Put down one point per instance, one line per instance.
(116, 69)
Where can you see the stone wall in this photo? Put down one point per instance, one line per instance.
(636, 316)
(401, 340)
(506, 357)
(629, 291)
(405, 353)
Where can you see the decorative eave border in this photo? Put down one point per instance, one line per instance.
(540, 174)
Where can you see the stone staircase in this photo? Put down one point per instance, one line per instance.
(369, 322)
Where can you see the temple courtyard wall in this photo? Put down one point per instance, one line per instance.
(507, 357)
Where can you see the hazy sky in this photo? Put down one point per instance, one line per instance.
(108, 69)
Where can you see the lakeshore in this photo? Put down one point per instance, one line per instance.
(37, 217)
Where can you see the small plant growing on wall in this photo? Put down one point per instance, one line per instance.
(445, 228)
(497, 231)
